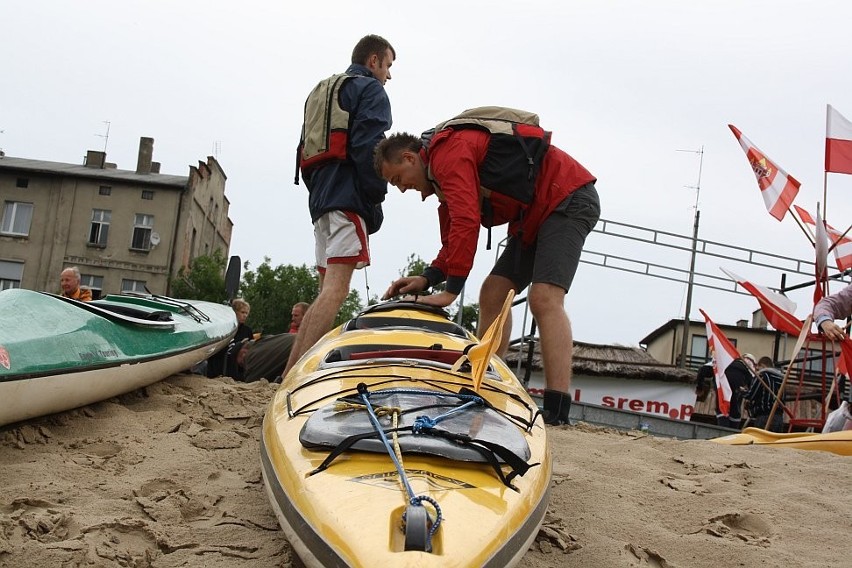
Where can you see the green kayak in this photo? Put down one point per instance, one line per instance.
(57, 353)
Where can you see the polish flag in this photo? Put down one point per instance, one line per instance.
(842, 247)
(777, 187)
(778, 309)
(841, 244)
(838, 142)
(724, 353)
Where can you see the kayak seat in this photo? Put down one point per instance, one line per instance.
(435, 353)
(447, 356)
(155, 315)
(390, 322)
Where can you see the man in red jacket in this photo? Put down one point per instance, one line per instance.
(547, 233)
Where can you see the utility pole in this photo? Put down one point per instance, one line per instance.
(685, 335)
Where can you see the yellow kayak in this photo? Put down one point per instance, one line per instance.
(835, 442)
(378, 451)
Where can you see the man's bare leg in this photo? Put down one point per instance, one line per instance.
(320, 315)
(557, 345)
(557, 342)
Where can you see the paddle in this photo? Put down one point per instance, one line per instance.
(232, 277)
(479, 354)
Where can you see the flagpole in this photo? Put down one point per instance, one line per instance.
(804, 229)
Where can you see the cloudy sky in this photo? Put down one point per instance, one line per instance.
(633, 89)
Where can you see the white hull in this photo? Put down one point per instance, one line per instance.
(29, 398)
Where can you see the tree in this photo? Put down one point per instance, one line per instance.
(271, 292)
(203, 280)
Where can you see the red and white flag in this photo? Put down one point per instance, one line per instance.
(778, 309)
(778, 188)
(838, 142)
(841, 244)
(724, 353)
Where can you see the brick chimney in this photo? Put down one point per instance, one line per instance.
(146, 153)
(95, 159)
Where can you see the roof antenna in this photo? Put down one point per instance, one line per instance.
(105, 136)
(697, 188)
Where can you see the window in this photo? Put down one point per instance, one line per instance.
(99, 231)
(105, 190)
(94, 283)
(147, 194)
(142, 226)
(813, 363)
(10, 274)
(133, 286)
(17, 217)
(700, 352)
(23, 183)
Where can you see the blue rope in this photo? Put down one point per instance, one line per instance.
(423, 422)
(412, 498)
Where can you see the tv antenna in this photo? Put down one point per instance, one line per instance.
(105, 136)
(691, 280)
(217, 148)
(697, 186)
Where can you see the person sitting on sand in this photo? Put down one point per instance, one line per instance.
(264, 358)
(296, 315)
(224, 361)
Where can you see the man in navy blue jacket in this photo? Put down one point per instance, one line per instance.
(346, 116)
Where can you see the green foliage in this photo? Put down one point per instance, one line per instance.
(271, 292)
(470, 317)
(204, 280)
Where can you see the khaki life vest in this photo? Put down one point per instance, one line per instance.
(325, 130)
(516, 148)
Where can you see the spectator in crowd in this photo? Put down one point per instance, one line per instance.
(740, 374)
(69, 281)
(224, 362)
(762, 394)
(296, 315)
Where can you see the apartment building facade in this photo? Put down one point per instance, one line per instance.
(126, 230)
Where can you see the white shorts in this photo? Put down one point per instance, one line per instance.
(341, 238)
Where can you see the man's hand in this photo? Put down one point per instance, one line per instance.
(832, 331)
(406, 285)
(441, 299)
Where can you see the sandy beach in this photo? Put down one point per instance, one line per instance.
(169, 476)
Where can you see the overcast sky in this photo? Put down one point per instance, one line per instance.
(632, 89)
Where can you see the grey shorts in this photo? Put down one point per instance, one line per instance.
(555, 254)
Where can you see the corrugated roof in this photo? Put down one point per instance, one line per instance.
(106, 174)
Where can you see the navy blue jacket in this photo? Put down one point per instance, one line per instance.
(353, 185)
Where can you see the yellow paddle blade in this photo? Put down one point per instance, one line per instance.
(480, 354)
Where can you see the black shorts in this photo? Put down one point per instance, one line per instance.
(555, 254)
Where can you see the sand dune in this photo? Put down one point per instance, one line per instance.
(169, 476)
